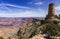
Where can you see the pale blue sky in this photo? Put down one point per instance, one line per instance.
(26, 8)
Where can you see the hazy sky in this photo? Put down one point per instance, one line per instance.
(26, 8)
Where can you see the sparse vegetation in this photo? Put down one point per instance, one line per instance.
(51, 29)
(23, 37)
(1, 38)
(59, 16)
(30, 31)
(9, 37)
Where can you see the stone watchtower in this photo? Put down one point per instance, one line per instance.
(51, 12)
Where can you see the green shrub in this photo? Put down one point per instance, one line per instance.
(51, 29)
(59, 16)
(22, 37)
(1, 38)
(9, 37)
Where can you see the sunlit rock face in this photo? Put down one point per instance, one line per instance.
(9, 31)
(2, 33)
(38, 37)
